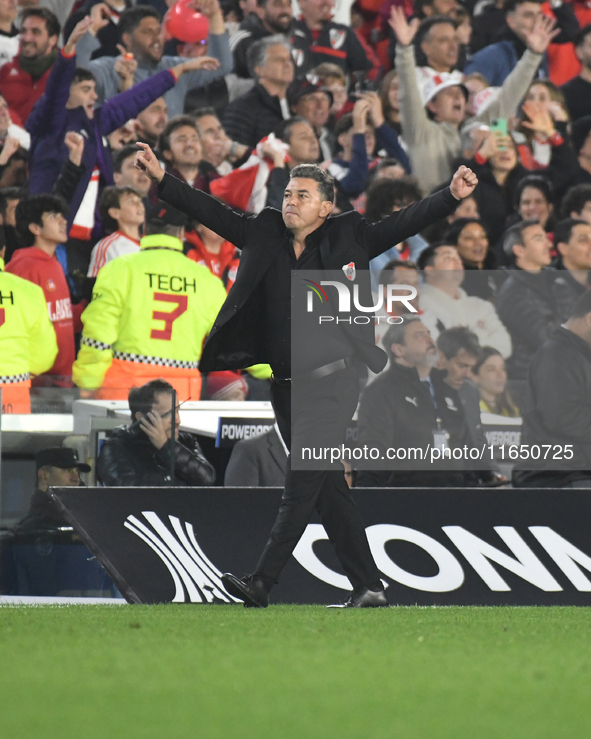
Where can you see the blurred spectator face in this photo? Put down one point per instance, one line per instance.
(131, 176)
(441, 7)
(146, 42)
(393, 89)
(449, 105)
(8, 11)
(192, 49)
(247, 6)
(35, 41)
(153, 119)
(505, 160)
(404, 276)
(585, 154)
(441, 47)
(57, 477)
(83, 95)
(585, 214)
(213, 139)
(315, 108)
(576, 255)
(583, 52)
(316, 11)
(392, 172)
(468, 208)
(278, 67)
(533, 206)
(53, 229)
(473, 243)
(536, 250)
(124, 135)
(163, 407)
(185, 147)
(4, 117)
(130, 211)
(10, 218)
(276, 15)
(418, 348)
(492, 375)
(464, 31)
(522, 19)
(339, 95)
(459, 368)
(447, 269)
(303, 144)
(474, 86)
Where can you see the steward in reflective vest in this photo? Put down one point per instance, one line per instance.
(27, 339)
(149, 316)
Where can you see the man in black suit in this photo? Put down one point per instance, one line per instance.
(253, 327)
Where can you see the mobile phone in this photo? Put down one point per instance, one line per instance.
(498, 126)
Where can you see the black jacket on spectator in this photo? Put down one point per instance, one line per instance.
(336, 44)
(252, 116)
(396, 411)
(108, 36)
(566, 291)
(560, 388)
(578, 97)
(128, 458)
(525, 304)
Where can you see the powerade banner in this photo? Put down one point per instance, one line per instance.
(433, 547)
(233, 430)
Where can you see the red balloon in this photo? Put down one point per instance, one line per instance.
(185, 24)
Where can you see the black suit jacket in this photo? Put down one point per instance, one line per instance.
(237, 340)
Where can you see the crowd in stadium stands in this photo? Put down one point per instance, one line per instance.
(233, 95)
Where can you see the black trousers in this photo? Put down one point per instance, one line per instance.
(322, 411)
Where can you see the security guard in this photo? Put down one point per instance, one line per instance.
(149, 316)
(27, 340)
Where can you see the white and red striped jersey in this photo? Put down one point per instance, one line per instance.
(112, 246)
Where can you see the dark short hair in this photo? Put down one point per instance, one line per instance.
(431, 22)
(581, 35)
(283, 130)
(82, 75)
(51, 22)
(582, 305)
(539, 183)
(343, 125)
(386, 272)
(514, 236)
(384, 194)
(132, 17)
(451, 341)
(314, 172)
(202, 112)
(427, 256)
(141, 399)
(575, 199)
(129, 150)
(31, 210)
(510, 5)
(111, 198)
(177, 122)
(564, 229)
(10, 193)
(454, 230)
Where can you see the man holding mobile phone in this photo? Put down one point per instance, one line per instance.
(142, 454)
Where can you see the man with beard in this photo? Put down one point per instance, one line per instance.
(152, 121)
(270, 17)
(142, 35)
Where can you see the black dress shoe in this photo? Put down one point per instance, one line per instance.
(250, 589)
(365, 598)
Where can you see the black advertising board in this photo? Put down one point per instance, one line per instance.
(433, 547)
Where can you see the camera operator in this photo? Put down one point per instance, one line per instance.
(141, 454)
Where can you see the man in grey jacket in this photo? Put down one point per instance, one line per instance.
(142, 35)
(434, 143)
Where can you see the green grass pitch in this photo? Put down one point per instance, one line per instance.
(294, 672)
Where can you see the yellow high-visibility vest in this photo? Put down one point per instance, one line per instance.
(155, 306)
